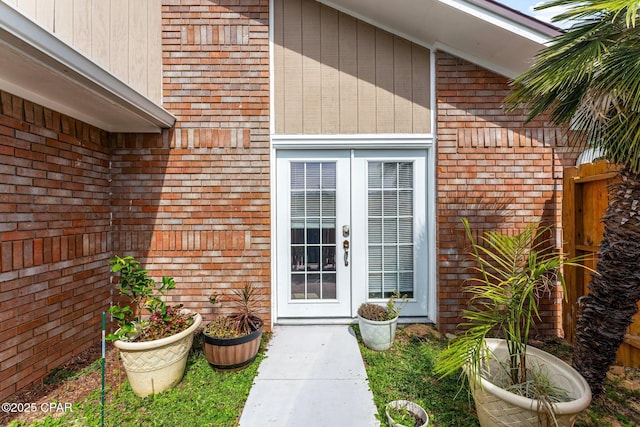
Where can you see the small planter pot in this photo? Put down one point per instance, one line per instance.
(155, 366)
(228, 354)
(377, 335)
(420, 415)
(498, 407)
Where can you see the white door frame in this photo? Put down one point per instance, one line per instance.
(427, 313)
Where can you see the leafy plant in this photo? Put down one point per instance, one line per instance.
(145, 296)
(222, 327)
(246, 315)
(513, 272)
(243, 321)
(402, 416)
(378, 313)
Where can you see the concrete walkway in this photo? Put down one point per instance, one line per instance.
(313, 376)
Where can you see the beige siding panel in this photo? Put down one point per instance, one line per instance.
(154, 50)
(82, 26)
(119, 38)
(336, 74)
(99, 32)
(420, 72)
(138, 38)
(45, 13)
(402, 86)
(278, 66)
(293, 67)
(384, 83)
(63, 20)
(348, 80)
(311, 73)
(329, 69)
(27, 7)
(366, 78)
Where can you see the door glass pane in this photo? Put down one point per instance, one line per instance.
(313, 230)
(390, 228)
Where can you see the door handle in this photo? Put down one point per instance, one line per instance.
(345, 245)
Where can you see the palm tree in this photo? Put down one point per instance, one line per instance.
(588, 78)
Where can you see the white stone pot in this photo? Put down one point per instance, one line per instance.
(156, 366)
(498, 407)
(412, 407)
(377, 335)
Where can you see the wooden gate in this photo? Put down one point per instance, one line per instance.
(585, 200)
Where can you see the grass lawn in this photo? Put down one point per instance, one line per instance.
(203, 395)
(405, 371)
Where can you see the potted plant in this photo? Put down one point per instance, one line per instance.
(154, 338)
(512, 383)
(404, 413)
(378, 324)
(231, 342)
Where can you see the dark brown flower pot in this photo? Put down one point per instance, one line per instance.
(226, 354)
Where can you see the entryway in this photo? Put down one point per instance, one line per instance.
(351, 226)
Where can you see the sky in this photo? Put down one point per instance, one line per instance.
(526, 6)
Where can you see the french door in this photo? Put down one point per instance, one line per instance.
(350, 228)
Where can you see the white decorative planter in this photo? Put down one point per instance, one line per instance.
(156, 366)
(377, 335)
(412, 407)
(498, 407)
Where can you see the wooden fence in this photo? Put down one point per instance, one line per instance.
(585, 199)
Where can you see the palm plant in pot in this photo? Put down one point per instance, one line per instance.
(231, 342)
(536, 387)
(154, 338)
(378, 323)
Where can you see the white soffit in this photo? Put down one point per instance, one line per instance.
(38, 66)
(481, 31)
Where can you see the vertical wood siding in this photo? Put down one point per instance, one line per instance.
(122, 36)
(336, 74)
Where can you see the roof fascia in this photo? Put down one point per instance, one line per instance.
(43, 47)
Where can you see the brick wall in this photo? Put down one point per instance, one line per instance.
(193, 203)
(54, 240)
(492, 169)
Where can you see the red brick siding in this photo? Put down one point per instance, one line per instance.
(54, 239)
(492, 169)
(194, 203)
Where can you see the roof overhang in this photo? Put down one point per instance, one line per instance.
(38, 66)
(481, 31)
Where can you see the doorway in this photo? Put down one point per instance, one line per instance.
(350, 228)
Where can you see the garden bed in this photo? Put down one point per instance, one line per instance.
(405, 371)
(203, 394)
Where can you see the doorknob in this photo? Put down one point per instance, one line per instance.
(345, 245)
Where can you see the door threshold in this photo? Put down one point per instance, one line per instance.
(340, 320)
(315, 321)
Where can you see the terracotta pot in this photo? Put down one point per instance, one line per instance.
(226, 354)
(498, 407)
(377, 335)
(158, 365)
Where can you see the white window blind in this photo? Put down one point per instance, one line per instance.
(390, 228)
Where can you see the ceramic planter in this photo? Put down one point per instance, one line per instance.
(227, 354)
(156, 366)
(377, 335)
(412, 407)
(498, 407)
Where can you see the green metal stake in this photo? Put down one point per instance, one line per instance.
(104, 328)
